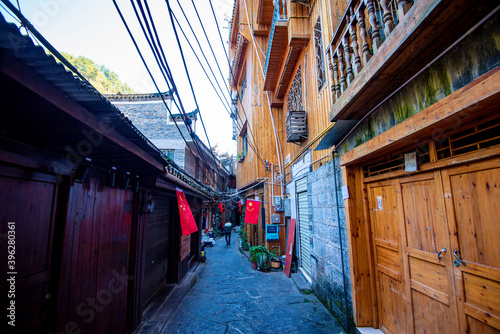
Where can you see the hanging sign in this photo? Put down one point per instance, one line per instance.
(185, 246)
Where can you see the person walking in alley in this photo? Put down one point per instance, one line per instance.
(227, 228)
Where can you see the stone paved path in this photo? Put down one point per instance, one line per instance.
(231, 297)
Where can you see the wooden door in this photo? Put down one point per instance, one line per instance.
(27, 215)
(415, 288)
(472, 196)
(384, 217)
(427, 256)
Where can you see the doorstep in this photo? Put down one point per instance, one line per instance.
(161, 316)
(369, 330)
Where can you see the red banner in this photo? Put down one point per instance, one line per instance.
(188, 225)
(221, 207)
(252, 212)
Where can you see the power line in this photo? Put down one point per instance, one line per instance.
(189, 78)
(163, 65)
(149, 71)
(161, 55)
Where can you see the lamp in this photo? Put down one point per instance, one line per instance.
(110, 179)
(135, 186)
(82, 170)
(149, 205)
(125, 180)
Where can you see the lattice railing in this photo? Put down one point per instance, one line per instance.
(365, 26)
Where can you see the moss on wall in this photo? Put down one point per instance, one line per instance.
(474, 56)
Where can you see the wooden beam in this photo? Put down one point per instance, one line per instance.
(478, 98)
(360, 257)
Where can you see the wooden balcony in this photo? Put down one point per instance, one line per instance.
(238, 57)
(265, 12)
(286, 55)
(381, 44)
(278, 40)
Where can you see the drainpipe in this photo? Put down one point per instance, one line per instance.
(341, 244)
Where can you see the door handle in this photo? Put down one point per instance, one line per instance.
(441, 251)
(458, 260)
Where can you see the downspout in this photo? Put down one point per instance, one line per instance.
(341, 243)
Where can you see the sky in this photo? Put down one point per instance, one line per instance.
(93, 29)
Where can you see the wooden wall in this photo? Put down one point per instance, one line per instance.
(28, 221)
(95, 261)
(156, 246)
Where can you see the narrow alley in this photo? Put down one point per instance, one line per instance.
(231, 297)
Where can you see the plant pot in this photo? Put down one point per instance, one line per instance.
(254, 265)
(275, 264)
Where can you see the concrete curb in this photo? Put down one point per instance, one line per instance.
(163, 314)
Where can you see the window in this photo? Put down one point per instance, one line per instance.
(318, 45)
(170, 154)
(294, 97)
(244, 144)
(243, 85)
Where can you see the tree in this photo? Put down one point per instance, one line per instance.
(102, 78)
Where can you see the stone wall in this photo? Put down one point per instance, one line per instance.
(328, 272)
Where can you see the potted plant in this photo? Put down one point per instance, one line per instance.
(243, 238)
(256, 255)
(274, 259)
(241, 157)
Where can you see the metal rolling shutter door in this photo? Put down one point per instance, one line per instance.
(305, 246)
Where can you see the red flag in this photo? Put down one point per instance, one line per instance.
(188, 225)
(221, 207)
(240, 204)
(252, 212)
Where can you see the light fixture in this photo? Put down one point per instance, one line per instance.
(82, 170)
(110, 179)
(149, 205)
(125, 180)
(135, 186)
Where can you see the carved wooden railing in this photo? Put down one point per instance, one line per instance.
(279, 15)
(365, 26)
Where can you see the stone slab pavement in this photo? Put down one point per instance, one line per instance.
(231, 297)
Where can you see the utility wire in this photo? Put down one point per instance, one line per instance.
(238, 93)
(224, 103)
(149, 71)
(199, 45)
(203, 68)
(229, 65)
(162, 63)
(165, 63)
(189, 78)
(209, 44)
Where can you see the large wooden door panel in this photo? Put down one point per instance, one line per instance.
(382, 205)
(425, 235)
(472, 195)
(28, 205)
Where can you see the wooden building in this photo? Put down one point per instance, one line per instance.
(403, 95)
(87, 200)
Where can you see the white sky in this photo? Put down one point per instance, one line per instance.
(93, 29)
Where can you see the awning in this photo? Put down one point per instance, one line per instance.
(339, 130)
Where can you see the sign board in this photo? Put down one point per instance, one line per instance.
(272, 232)
(185, 246)
(289, 247)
